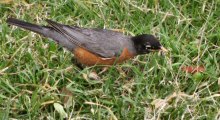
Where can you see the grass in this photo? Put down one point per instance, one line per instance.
(39, 81)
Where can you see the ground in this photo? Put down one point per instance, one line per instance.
(39, 81)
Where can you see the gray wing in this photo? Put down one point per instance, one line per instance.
(105, 43)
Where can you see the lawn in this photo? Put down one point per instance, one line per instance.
(38, 79)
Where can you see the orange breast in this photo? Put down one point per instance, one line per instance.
(87, 58)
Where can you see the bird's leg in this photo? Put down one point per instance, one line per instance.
(104, 69)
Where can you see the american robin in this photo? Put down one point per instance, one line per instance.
(93, 46)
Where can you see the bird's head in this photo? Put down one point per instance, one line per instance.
(146, 43)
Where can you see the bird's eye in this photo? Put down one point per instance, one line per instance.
(148, 46)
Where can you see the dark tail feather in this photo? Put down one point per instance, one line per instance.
(45, 31)
(26, 25)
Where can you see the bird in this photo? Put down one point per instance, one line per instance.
(94, 46)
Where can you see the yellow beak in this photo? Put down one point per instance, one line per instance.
(163, 49)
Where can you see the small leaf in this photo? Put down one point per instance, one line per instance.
(59, 108)
(193, 69)
(93, 76)
(68, 100)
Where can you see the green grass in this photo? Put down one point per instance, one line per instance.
(34, 70)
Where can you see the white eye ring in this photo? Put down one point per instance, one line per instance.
(148, 46)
